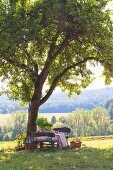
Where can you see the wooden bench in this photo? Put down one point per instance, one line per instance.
(33, 138)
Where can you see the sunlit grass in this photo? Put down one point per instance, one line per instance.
(100, 144)
(84, 158)
(97, 154)
(8, 145)
(94, 155)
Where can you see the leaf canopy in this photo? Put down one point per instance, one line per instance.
(57, 37)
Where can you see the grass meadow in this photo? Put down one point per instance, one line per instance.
(94, 155)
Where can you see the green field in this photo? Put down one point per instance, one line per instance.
(4, 118)
(94, 155)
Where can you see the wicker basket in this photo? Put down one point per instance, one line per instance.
(75, 144)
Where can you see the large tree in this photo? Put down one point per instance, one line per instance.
(50, 43)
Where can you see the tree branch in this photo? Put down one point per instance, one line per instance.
(12, 62)
(61, 47)
(51, 58)
(28, 56)
(58, 77)
(52, 45)
(32, 72)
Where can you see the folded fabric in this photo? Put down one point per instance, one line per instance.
(42, 138)
(62, 140)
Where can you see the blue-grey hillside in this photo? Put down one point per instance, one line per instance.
(59, 101)
(88, 99)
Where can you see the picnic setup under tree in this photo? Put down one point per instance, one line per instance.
(46, 44)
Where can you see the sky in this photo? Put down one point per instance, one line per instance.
(99, 80)
(110, 5)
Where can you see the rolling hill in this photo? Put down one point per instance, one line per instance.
(59, 101)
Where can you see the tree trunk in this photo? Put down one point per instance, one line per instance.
(32, 115)
(34, 105)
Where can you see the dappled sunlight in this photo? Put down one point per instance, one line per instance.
(101, 144)
(88, 157)
(8, 145)
(5, 156)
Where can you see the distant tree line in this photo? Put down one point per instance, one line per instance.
(87, 123)
(16, 124)
(95, 122)
(109, 107)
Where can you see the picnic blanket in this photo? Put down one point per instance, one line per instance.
(60, 138)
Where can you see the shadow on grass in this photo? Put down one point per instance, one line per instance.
(55, 159)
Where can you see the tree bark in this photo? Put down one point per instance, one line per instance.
(32, 116)
(33, 110)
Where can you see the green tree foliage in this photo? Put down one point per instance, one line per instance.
(109, 107)
(82, 123)
(101, 120)
(43, 123)
(18, 123)
(5, 133)
(51, 42)
(86, 123)
(78, 121)
(58, 125)
(62, 119)
(53, 120)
